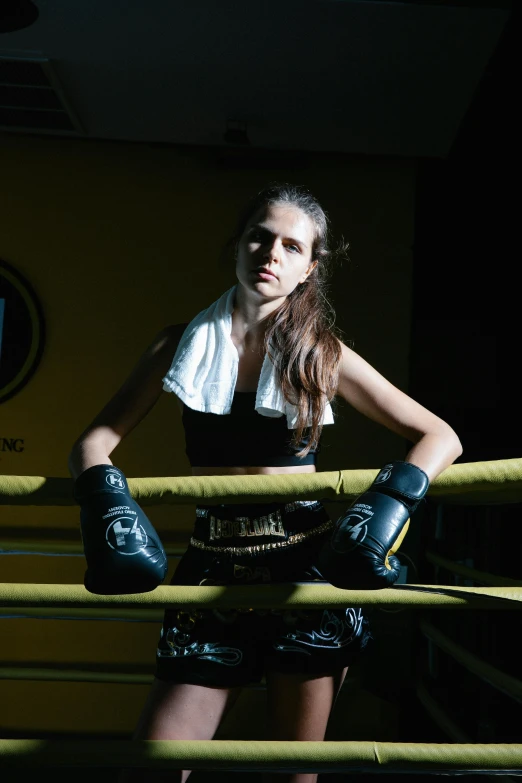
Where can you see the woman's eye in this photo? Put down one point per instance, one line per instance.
(293, 248)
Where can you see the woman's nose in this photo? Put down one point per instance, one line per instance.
(271, 251)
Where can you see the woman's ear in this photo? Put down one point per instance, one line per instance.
(308, 272)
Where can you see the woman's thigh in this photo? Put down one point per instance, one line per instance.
(178, 711)
(299, 705)
(175, 711)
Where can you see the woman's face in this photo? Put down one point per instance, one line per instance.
(274, 252)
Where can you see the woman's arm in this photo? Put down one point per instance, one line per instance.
(131, 403)
(361, 551)
(436, 445)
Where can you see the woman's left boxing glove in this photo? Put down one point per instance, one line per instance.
(359, 555)
(123, 551)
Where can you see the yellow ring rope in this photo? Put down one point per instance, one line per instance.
(240, 755)
(261, 597)
(490, 674)
(449, 727)
(441, 718)
(472, 483)
(483, 577)
(47, 674)
(62, 549)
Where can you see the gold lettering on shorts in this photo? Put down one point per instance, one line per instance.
(275, 526)
(259, 526)
(239, 528)
(227, 529)
(270, 525)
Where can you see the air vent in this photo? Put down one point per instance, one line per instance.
(32, 99)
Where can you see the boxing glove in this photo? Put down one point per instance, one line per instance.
(123, 551)
(360, 552)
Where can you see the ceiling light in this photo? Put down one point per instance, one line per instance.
(17, 14)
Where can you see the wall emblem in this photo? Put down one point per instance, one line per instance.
(22, 331)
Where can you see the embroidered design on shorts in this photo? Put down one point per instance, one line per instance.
(298, 505)
(334, 632)
(258, 574)
(179, 644)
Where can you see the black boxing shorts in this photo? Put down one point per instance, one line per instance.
(255, 544)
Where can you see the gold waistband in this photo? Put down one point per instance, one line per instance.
(246, 550)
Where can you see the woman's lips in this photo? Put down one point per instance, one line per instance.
(265, 275)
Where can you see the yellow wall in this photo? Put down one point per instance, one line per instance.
(119, 240)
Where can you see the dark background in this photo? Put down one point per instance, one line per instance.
(466, 271)
(465, 317)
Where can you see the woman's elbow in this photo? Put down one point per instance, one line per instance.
(91, 448)
(452, 442)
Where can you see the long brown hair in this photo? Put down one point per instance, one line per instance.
(301, 331)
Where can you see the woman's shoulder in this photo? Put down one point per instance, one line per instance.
(170, 335)
(174, 331)
(162, 347)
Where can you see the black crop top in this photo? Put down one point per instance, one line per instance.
(241, 438)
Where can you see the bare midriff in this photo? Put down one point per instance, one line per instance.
(252, 471)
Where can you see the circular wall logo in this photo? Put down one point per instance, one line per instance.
(126, 536)
(22, 331)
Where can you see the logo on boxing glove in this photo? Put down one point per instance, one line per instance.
(126, 536)
(384, 474)
(347, 536)
(115, 480)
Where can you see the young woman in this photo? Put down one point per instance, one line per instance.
(255, 374)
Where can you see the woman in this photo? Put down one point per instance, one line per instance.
(275, 389)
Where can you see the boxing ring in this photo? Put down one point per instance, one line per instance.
(467, 484)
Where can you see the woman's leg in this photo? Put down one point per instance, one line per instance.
(176, 711)
(299, 706)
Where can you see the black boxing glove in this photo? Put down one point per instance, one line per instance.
(123, 551)
(360, 552)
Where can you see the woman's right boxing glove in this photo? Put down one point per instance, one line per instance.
(123, 551)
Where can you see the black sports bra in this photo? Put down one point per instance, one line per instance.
(241, 438)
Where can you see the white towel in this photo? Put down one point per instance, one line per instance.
(203, 372)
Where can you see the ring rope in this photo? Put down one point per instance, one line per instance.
(135, 615)
(82, 673)
(48, 674)
(471, 573)
(456, 592)
(275, 596)
(448, 726)
(503, 682)
(61, 549)
(441, 718)
(262, 755)
(470, 483)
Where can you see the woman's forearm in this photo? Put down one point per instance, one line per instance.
(435, 451)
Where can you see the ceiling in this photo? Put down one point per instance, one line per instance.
(377, 78)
